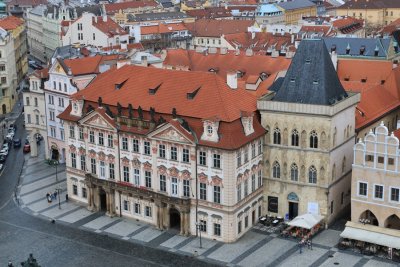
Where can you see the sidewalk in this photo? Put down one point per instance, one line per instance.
(256, 248)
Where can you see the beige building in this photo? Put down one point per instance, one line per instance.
(375, 13)
(310, 126)
(129, 156)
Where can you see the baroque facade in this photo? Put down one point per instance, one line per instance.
(174, 171)
(310, 126)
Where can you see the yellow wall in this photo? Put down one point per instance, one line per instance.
(382, 16)
(293, 16)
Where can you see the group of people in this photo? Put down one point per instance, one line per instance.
(50, 197)
(305, 242)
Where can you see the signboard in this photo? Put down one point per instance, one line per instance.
(273, 204)
(293, 197)
(313, 208)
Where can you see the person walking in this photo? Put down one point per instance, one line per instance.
(301, 246)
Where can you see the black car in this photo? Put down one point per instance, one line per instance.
(17, 142)
(3, 158)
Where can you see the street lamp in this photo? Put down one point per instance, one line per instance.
(59, 197)
(55, 163)
(199, 226)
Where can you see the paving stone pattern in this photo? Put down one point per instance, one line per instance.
(259, 247)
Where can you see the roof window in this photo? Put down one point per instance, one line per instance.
(308, 61)
(192, 94)
(153, 91)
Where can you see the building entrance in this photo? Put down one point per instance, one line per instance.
(103, 200)
(174, 219)
(293, 210)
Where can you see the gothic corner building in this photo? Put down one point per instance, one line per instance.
(167, 152)
(309, 119)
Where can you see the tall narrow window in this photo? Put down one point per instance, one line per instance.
(277, 136)
(295, 138)
(93, 165)
(91, 137)
(174, 153)
(217, 194)
(185, 155)
(71, 131)
(202, 158)
(313, 140)
(312, 175)
(83, 162)
(126, 174)
(110, 140)
(101, 139)
(135, 145)
(73, 160)
(174, 186)
(186, 188)
(102, 169)
(203, 191)
(253, 150)
(253, 182)
(294, 172)
(238, 158)
(239, 192)
(124, 143)
(80, 133)
(147, 176)
(217, 161)
(260, 147)
(111, 170)
(146, 146)
(163, 183)
(136, 177)
(276, 170)
(259, 178)
(161, 151)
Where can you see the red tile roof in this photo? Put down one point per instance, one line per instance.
(373, 71)
(10, 23)
(392, 27)
(109, 27)
(259, 40)
(213, 98)
(162, 28)
(216, 28)
(348, 25)
(87, 65)
(43, 73)
(249, 65)
(113, 8)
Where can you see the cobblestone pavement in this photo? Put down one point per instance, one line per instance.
(261, 246)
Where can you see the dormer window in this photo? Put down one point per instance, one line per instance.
(209, 129)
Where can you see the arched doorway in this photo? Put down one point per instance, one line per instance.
(393, 222)
(293, 205)
(367, 217)
(174, 219)
(103, 200)
(4, 108)
(55, 155)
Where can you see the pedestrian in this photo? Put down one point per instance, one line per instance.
(10, 264)
(309, 244)
(66, 197)
(48, 197)
(301, 246)
(55, 194)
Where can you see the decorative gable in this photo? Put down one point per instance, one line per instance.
(247, 123)
(210, 130)
(170, 133)
(97, 121)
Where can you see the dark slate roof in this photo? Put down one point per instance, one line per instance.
(311, 77)
(94, 9)
(296, 4)
(355, 44)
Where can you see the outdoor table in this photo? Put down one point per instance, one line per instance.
(275, 222)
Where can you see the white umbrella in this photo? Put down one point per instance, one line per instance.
(306, 221)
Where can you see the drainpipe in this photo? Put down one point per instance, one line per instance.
(197, 191)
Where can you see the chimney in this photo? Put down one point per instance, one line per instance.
(144, 61)
(231, 79)
(237, 52)
(253, 35)
(334, 59)
(395, 63)
(292, 39)
(95, 19)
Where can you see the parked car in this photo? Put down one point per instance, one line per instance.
(27, 148)
(10, 136)
(17, 142)
(3, 158)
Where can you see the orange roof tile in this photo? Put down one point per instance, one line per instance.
(226, 103)
(10, 23)
(259, 40)
(115, 7)
(162, 28)
(373, 71)
(390, 28)
(216, 28)
(109, 27)
(250, 65)
(87, 65)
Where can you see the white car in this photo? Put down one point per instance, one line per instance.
(5, 148)
(10, 136)
(4, 152)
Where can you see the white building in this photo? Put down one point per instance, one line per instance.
(66, 77)
(198, 165)
(94, 30)
(34, 107)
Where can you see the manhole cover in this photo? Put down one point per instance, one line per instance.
(336, 263)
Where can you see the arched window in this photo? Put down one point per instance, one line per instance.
(277, 136)
(312, 175)
(295, 138)
(294, 172)
(276, 170)
(313, 140)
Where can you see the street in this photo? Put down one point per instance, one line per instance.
(61, 245)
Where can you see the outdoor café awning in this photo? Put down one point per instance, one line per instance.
(372, 234)
(306, 221)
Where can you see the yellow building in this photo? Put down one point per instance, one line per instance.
(296, 10)
(373, 12)
(191, 5)
(13, 60)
